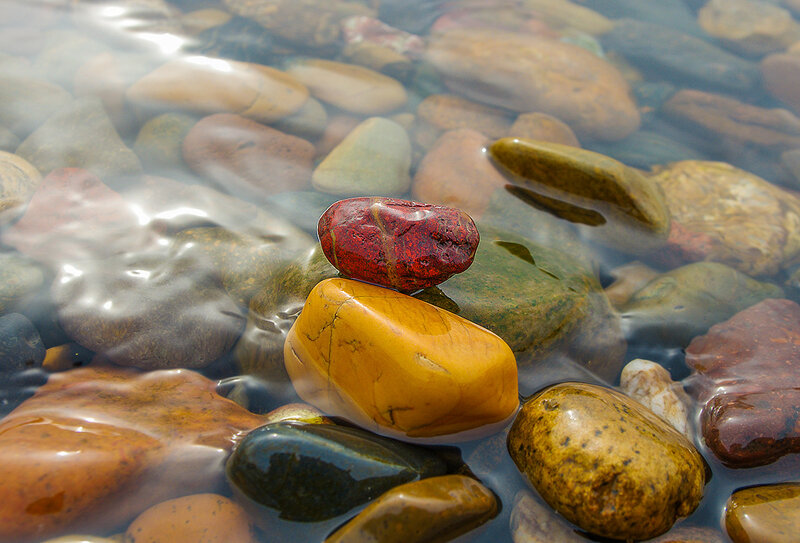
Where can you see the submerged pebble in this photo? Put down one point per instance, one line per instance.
(433, 509)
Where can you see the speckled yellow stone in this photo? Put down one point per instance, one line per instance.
(399, 366)
(605, 462)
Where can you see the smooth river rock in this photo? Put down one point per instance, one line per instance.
(312, 472)
(80, 135)
(750, 27)
(651, 385)
(207, 85)
(147, 310)
(21, 347)
(736, 123)
(372, 160)
(73, 216)
(605, 462)
(399, 244)
(423, 372)
(131, 440)
(543, 302)
(746, 381)
(767, 514)
(434, 509)
(247, 158)
(18, 181)
(680, 304)
(456, 172)
(731, 216)
(527, 73)
(619, 207)
(206, 518)
(354, 89)
(688, 59)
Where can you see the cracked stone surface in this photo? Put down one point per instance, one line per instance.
(397, 365)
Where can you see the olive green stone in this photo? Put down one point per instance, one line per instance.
(766, 514)
(542, 302)
(605, 462)
(312, 472)
(509, 213)
(273, 310)
(373, 160)
(160, 141)
(80, 135)
(308, 122)
(612, 202)
(685, 302)
(8, 141)
(243, 263)
(20, 278)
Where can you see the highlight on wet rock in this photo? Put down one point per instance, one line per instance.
(397, 243)
(399, 366)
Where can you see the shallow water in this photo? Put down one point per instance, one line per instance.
(96, 255)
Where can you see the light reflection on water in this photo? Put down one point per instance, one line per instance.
(141, 35)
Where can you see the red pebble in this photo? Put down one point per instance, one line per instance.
(397, 243)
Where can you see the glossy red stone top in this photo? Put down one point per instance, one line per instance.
(397, 243)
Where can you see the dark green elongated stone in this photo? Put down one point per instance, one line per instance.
(313, 472)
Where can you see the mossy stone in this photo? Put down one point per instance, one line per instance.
(541, 301)
(243, 262)
(273, 310)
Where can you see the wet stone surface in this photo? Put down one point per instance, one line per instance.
(632, 170)
(313, 472)
(397, 243)
(747, 419)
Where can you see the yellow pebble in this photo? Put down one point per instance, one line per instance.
(399, 366)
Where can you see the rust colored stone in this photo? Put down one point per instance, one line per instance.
(449, 112)
(397, 243)
(528, 73)
(541, 126)
(97, 446)
(735, 121)
(456, 172)
(73, 215)
(247, 156)
(747, 376)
